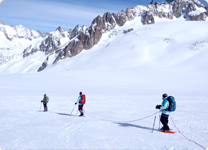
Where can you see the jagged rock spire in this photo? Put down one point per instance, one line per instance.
(152, 2)
(59, 29)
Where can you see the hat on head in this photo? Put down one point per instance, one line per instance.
(165, 95)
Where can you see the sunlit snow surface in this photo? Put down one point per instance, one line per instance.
(123, 77)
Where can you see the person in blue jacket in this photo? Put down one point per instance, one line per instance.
(165, 112)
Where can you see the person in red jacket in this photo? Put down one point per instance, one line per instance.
(81, 102)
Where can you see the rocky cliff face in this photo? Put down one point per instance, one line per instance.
(50, 43)
(86, 37)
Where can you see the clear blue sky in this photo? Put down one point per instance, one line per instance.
(47, 15)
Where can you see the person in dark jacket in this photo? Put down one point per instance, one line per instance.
(45, 101)
(165, 113)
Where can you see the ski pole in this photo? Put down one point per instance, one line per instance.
(159, 120)
(72, 109)
(40, 106)
(153, 124)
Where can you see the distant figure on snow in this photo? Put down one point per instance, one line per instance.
(165, 113)
(81, 102)
(45, 101)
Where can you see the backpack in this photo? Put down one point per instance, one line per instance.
(82, 99)
(47, 99)
(172, 103)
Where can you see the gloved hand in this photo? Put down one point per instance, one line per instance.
(75, 103)
(158, 106)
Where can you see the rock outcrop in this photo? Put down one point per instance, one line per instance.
(44, 65)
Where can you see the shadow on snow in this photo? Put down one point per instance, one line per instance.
(65, 114)
(136, 126)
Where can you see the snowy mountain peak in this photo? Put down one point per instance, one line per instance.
(16, 37)
(43, 34)
(1, 22)
(14, 32)
(50, 43)
(185, 1)
(75, 31)
(59, 29)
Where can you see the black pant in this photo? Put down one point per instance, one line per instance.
(80, 108)
(164, 120)
(45, 106)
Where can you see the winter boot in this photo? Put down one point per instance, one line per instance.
(82, 114)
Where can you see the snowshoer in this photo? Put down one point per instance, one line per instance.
(81, 102)
(45, 101)
(165, 113)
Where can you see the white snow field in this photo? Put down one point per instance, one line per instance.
(123, 77)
